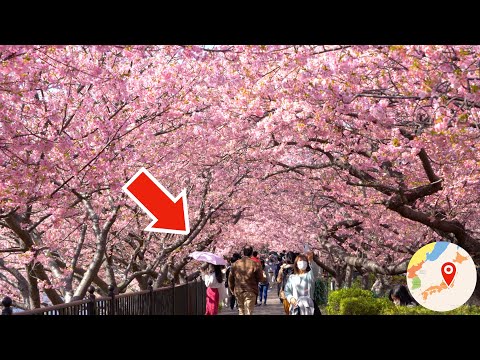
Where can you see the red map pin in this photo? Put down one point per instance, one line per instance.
(448, 272)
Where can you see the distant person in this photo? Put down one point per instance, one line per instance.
(400, 296)
(213, 278)
(224, 275)
(254, 257)
(231, 295)
(243, 279)
(300, 287)
(270, 268)
(278, 265)
(263, 286)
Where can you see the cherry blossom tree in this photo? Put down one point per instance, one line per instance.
(366, 153)
(386, 128)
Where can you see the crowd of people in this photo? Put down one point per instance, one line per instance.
(244, 283)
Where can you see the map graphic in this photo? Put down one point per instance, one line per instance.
(441, 276)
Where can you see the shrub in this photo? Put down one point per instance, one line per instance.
(384, 303)
(335, 298)
(321, 292)
(465, 310)
(420, 310)
(407, 310)
(357, 283)
(354, 301)
(360, 306)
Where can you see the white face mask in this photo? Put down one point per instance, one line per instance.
(302, 265)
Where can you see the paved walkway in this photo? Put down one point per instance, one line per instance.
(273, 306)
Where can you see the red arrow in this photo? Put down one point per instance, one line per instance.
(169, 214)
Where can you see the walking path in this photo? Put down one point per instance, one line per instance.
(273, 307)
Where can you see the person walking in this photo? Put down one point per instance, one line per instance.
(270, 269)
(278, 265)
(243, 279)
(254, 257)
(300, 287)
(231, 295)
(263, 286)
(283, 274)
(225, 269)
(213, 278)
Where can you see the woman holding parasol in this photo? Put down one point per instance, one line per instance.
(213, 278)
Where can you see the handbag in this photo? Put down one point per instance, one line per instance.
(316, 311)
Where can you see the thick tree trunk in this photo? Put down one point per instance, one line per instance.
(176, 277)
(92, 269)
(381, 285)
(181, 277)
(102, 285)
(22, 283)
(361, 263)
(323, 266)
(33, 292)
(366, 281)
(110, 272)
(101, 236)
(36, 271)
(339, 277)
(162, 276)
(69, 278)
(52, 294)
(142, 281)
(193, 276)
(348, 276)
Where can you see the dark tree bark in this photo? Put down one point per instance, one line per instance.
(36, 271)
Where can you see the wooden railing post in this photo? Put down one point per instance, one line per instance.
(7, 303)
(173, 296)
(91, 303)
(187, 297)
(200, 297)
(111, 293)
(196, 297)
(151, 303)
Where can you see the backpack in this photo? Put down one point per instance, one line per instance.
(266, 279)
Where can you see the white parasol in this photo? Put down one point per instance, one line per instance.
(208, 257)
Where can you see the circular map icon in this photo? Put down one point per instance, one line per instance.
(441, 276)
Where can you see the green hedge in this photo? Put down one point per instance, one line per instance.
(420, 310)
(359, 306)
(354, 301)
(336, 297)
